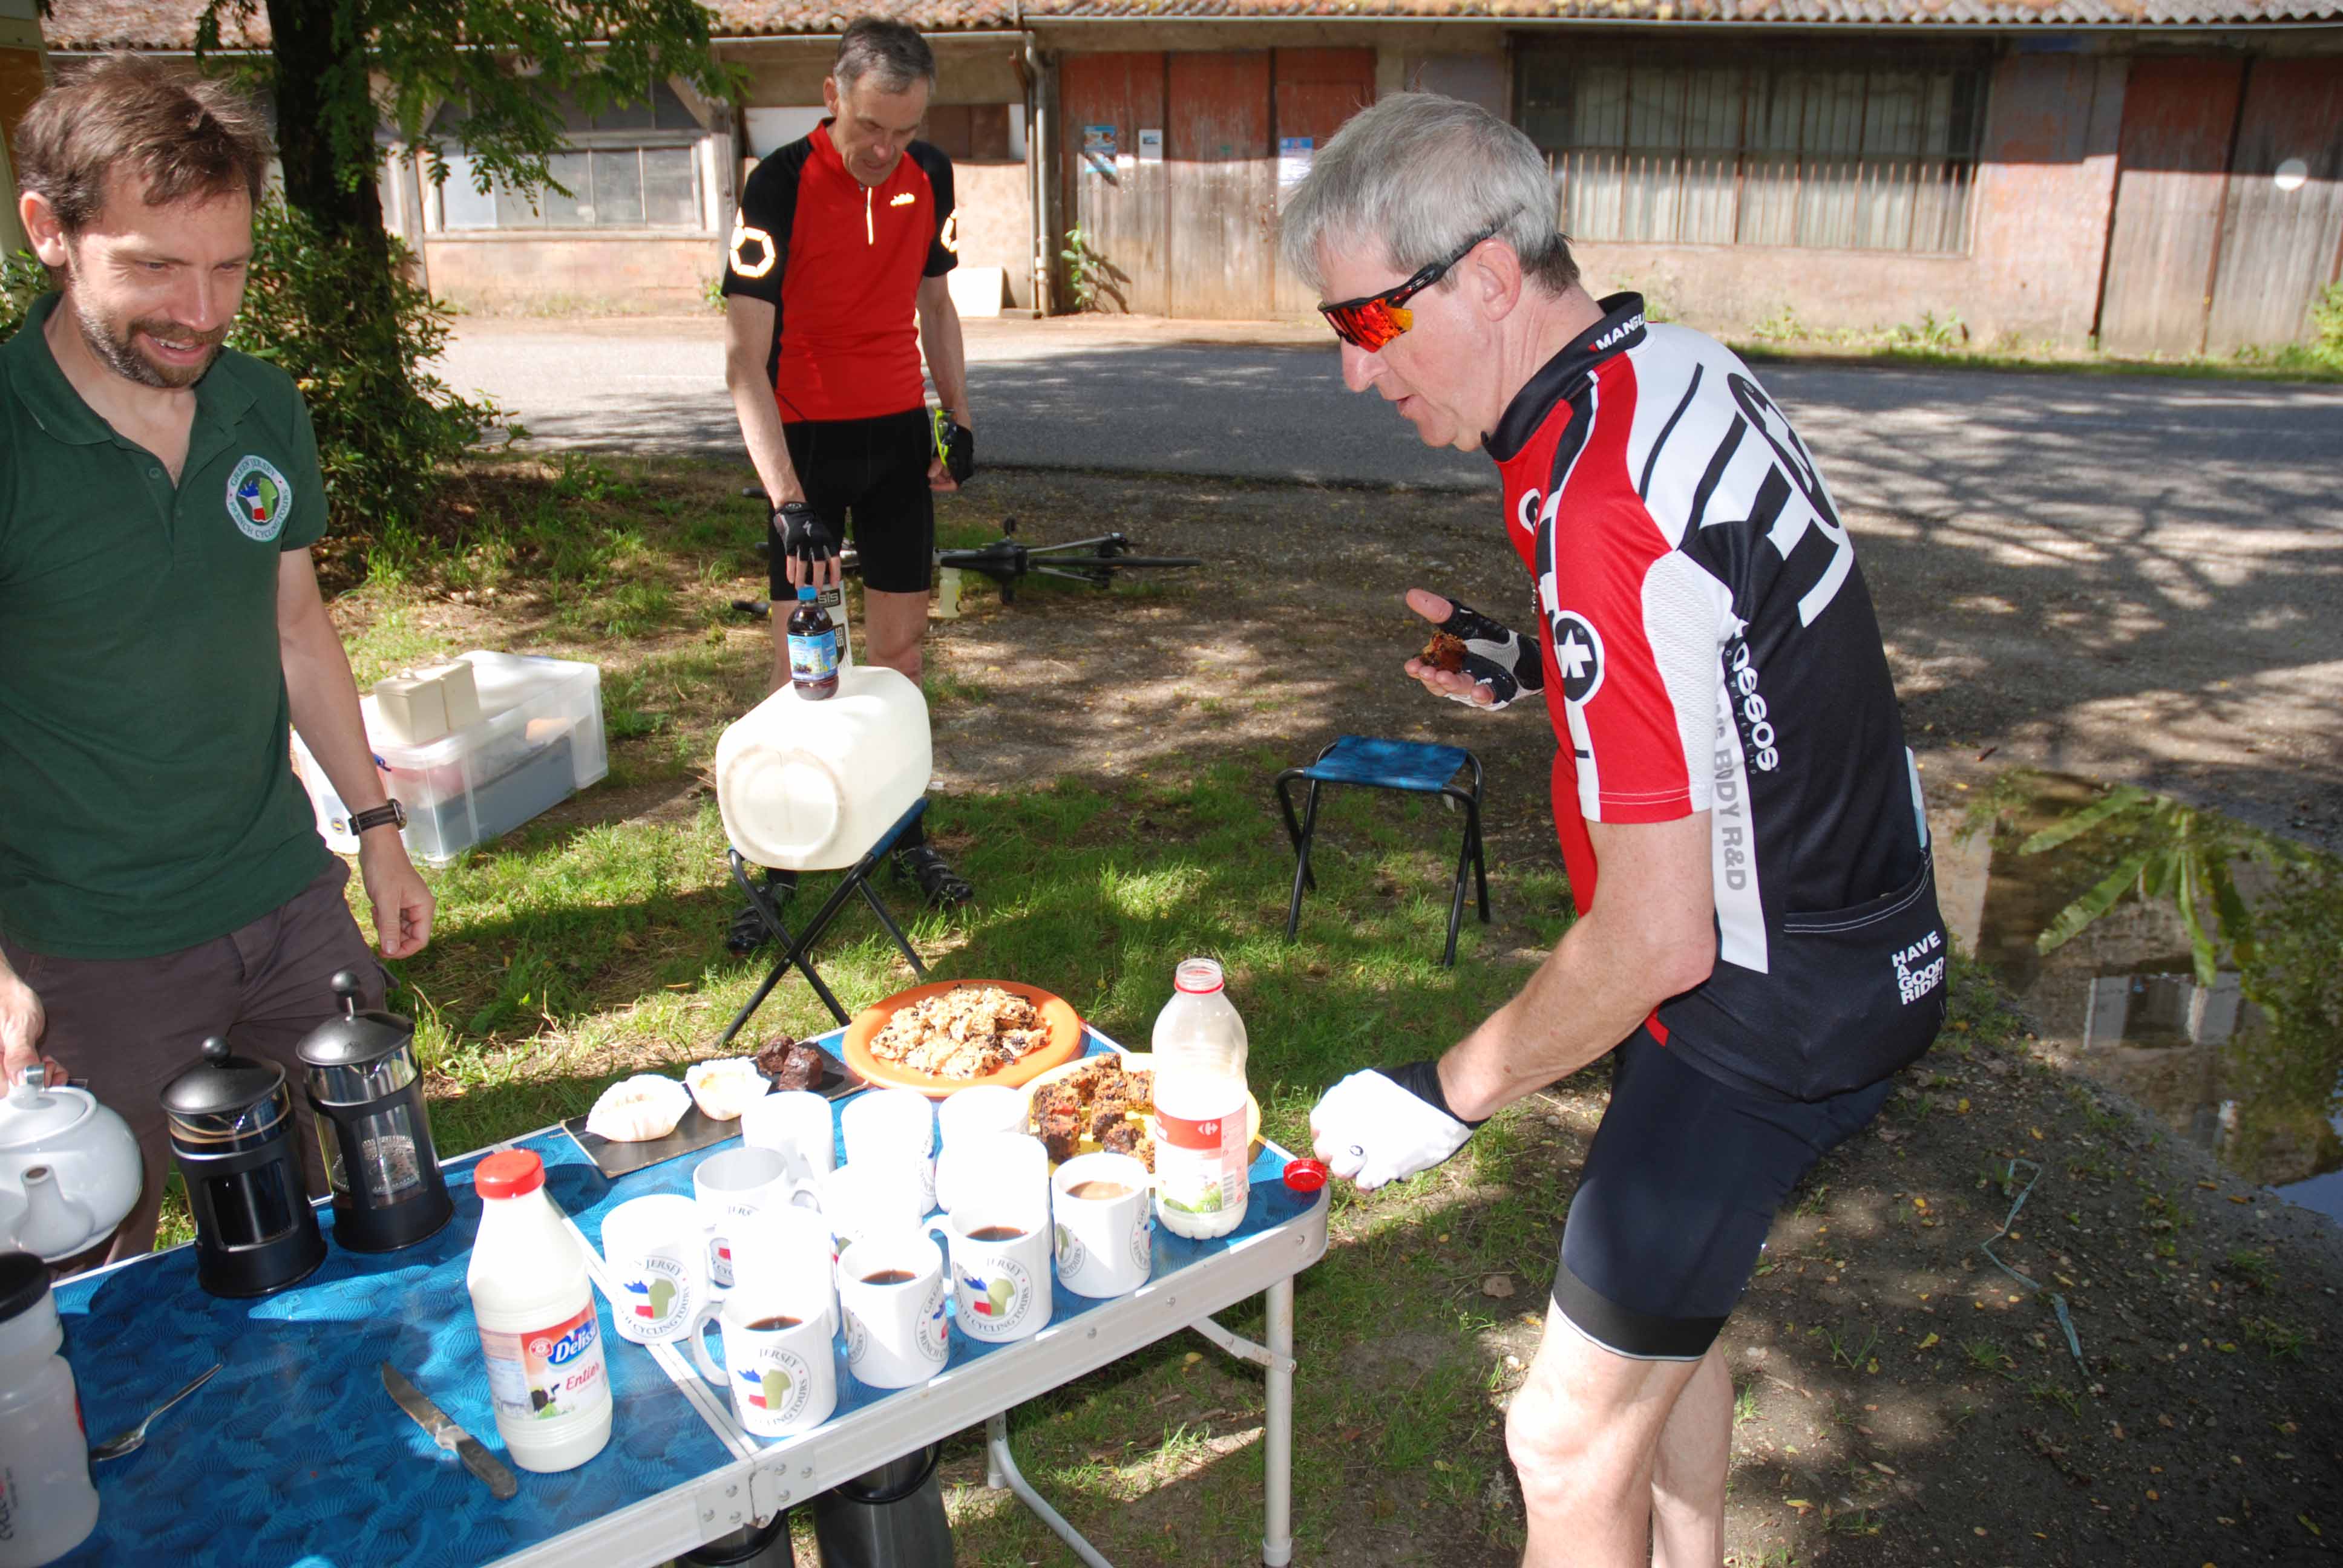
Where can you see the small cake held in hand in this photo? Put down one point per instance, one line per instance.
(723, 1089)
(1444, 652)
(638, 1110)
(790, 1065)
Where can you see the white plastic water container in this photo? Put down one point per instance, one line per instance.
(539, 1325)
(1202, 1184)
(47, 1506)
(810, 786)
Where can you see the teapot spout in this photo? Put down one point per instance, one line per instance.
(53, 1227)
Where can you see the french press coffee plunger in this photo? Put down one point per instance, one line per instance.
(367, 1093)
(232, 1132)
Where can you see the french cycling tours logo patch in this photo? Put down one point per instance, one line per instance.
(258, 496)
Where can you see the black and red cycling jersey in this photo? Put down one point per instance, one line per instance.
(840, 263)
(1710, 646)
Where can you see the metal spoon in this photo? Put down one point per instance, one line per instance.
(130, 1441)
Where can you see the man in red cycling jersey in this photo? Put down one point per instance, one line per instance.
(840, 236)
(1763, 949)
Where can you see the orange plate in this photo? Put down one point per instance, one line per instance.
(1065, 1041)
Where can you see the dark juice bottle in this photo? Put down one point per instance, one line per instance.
(813, 649)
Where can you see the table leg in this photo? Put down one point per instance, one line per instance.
(1277, 1431)
(1000, 1470)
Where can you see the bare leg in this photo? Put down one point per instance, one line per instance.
(1583, 1433)
(893, 627)
(1688, 1471)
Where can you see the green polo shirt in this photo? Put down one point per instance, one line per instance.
(147, 802)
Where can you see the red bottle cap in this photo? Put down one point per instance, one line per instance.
(510, 1174)
(1306, 1176)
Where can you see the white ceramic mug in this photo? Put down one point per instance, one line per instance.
(657, 1249)
(979, 1108)
(861, 1201)
(778, 1358)
(1105, 1245)
(896, 1334)
(992, 1167)
(732, 1185)
(894, 1126)
(796, 1124)
(999, 1259)
(787, 1249)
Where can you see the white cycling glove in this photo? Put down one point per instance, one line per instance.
(1385, 1124)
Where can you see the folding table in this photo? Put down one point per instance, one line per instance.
(294, 1455)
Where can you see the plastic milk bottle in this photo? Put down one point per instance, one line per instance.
(47, 1506)
(1200, 1136)
(537, 1323)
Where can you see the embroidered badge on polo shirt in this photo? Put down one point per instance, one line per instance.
(258, 496)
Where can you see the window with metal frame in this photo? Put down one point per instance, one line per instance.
(1820, 147)
(634, 167)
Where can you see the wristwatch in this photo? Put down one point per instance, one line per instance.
(389, 811)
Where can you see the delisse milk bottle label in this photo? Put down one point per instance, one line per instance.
(546, 1372)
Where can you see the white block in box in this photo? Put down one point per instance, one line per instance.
(409, 710)
(538, 741)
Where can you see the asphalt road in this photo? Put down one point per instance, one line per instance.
(2115, 455)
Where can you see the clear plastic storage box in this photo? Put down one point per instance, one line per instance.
(539, 741)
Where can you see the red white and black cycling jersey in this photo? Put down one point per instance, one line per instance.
(1710, 646)
(840, 263)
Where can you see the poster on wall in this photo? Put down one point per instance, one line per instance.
(1294, 154)
(1151, 145)
(1097, 149)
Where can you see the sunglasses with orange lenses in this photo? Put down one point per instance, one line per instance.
(1374, 320)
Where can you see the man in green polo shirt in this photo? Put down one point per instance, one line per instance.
(161, 876)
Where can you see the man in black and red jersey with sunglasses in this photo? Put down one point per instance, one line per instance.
(839, 237)
(1763, 949)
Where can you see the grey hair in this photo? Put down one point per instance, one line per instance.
(1416, 176)
(893, 49)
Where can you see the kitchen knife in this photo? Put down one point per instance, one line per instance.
(448, 1435)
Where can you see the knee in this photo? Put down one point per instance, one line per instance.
(1546, 1439)
(905, 660)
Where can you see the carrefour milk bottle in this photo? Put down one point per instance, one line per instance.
(1201, 1139)
(537, 1323)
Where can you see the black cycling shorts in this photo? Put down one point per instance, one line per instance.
(1678, 1191)
(876, 471)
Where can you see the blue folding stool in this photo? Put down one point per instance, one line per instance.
(1407, 765)
(798, 950)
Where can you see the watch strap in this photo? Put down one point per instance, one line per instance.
(388, 814)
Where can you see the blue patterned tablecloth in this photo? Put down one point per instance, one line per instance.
(293, 1456)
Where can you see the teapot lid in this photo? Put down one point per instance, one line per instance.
(34, 1109)
(222, 1084)
(356, 1039)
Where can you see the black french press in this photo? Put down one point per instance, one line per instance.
(232, 1132)
(367, 1093)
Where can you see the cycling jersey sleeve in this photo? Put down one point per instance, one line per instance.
(943, 249)
(759, 254)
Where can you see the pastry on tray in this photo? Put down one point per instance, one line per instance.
(639, 1109)
(723, 1089)
(789, 1064)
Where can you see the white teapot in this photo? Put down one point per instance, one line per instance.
(69, 1168)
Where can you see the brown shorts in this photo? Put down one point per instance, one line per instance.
(123, 1027)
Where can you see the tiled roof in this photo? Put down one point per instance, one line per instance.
(79, 25)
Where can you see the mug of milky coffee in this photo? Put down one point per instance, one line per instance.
(999, 1257)
(1104, 1206)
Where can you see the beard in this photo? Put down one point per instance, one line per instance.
(117, 347)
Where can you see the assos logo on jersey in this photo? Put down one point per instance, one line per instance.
(1577, 654)
(568, 1348)
(1912, 984)
(1749, 708)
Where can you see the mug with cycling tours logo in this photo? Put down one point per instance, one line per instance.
(657, 1247)
(778, 1356)
(999, 1258)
